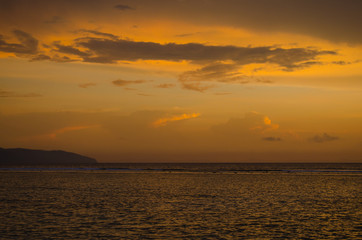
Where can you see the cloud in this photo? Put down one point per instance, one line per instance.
(68, 129)
(323, 138)
(86, 85)
(212, 58)
(272, 139)
(61, 59)
(123, 7)
(5, 94)
(252, 123)
(98, 33)
(41, 57)
(165, 85)
(122, 83)
(196, 86)
(144, 94)
(186, 34)
(164, 121)
(28, 44)
(127, 50)
(218, 64)
(29, 125)
(216, 72)
(342, 63)
(55, 133)
(70, 50)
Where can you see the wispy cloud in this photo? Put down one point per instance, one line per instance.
(86, 85)
(40, 57)
(28, 44)
(323, 138)
(166, 85)
(252, 123)
(55, 133)
(5, 94)
(70, 50)
(272, 139)
(186, 34)
(122, 83)
(216, 72)
(164, 121)
(98, 33)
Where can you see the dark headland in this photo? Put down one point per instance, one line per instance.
(14, 156)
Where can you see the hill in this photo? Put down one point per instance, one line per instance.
(24, 156)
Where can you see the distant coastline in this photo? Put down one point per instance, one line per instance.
(15, 156)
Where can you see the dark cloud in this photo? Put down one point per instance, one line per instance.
(97, 33)
(123, 7)
(323, 138)
(28, 44)
(272, 139)
(132, 51)
(108, 48)
(186, 34)
(123, 83)
(341, 62)
(303, 65)
(103, 60)
(345, 63)
(41, 57)
(70, 50)
(6, 94)
(113, 50)
(57, 58)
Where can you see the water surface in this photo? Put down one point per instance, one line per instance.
(181, 201)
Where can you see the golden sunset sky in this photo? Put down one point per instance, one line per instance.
(183, 80)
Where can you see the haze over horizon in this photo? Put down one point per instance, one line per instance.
(183, 81)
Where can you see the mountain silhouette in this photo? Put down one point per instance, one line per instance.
(31, 157)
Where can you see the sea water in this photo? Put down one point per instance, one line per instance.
(181, 201)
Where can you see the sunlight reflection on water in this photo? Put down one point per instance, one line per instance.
(88, 205)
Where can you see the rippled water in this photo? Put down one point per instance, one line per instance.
(298, 202)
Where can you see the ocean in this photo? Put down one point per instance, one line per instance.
(181, 201)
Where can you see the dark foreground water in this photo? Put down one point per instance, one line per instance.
(182, 201)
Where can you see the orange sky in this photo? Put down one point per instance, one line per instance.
(210, 81)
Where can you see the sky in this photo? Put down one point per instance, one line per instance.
(183, 80)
